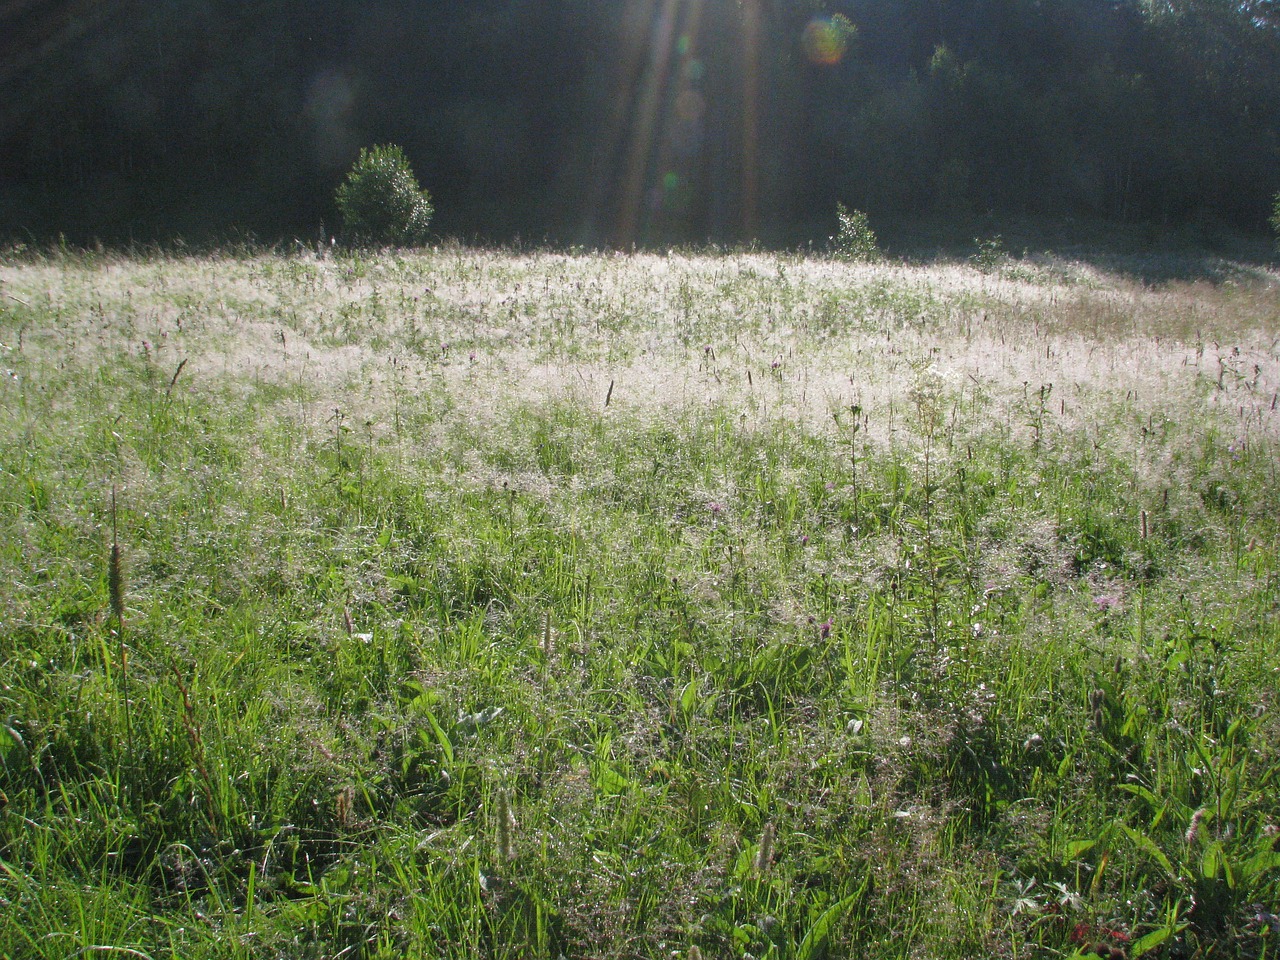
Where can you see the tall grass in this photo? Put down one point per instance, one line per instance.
(476, 604)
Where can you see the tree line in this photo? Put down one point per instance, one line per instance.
(611, 122)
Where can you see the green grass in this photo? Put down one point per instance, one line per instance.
(481, 604)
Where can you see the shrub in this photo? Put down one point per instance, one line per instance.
(855, 240)
(381, 202)
(990, 253)
(1275, 219)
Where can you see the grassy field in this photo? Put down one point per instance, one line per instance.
(480, 604)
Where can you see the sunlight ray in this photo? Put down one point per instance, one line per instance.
(661, 48)
(750, 116)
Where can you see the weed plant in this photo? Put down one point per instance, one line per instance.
(466, 603)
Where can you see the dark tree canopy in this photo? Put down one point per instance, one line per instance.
(634, 121)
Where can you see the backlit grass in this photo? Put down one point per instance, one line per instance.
(482, 604)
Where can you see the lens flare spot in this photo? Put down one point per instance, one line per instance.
(671, 181)
(684, 45)
(695, 70)
(826, 39)
(690, 106)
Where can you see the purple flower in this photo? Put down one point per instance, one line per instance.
(1106, 602)
(715, 508)
(825, 630)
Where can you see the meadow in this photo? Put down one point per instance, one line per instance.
(465, 603)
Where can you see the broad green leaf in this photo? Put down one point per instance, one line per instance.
(1065, 766)
(1147, 846)
(608, 780)
(1211, 862)
(442, 738)
(1077, 848)
(689, 698)
(1138, 790)
(1215, 863)
(1260, 864)
(1146, 944)
(814, 943)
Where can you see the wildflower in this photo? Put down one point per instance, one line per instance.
(825, 629)
(715, 508)
(1086, 932)
(1260, 916)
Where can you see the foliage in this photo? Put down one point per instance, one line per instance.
(380, 200)
(990, 253)
(1275, 218)
(1133, 111)
(854, 240)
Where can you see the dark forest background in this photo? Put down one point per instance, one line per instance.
(636, 121)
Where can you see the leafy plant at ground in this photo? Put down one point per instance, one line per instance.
(380, 200)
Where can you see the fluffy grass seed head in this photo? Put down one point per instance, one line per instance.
(548, 637)
(115, 583)
(506, 827)
(1193, 828)
(764, 855)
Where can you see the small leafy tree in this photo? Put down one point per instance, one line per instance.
(990, 253)
(1275, 219)
(381, 202)
(854, 240)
